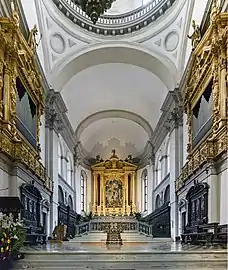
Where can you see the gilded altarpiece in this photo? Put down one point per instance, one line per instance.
(207, 84)
(21, 97)
(114, 183)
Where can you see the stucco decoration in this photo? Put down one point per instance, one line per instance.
(171, 41)
(57, 43)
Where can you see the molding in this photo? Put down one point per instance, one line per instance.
(126, 24)
(110, 114)
(57, 119)
(164, 180)
(66, 186)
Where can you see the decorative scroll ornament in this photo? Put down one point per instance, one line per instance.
(94, 8)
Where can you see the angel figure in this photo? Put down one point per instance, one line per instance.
(196, 35)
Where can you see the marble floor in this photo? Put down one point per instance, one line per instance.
(158, 255)
(126, 247)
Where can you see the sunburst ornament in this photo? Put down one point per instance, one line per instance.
(94, 8)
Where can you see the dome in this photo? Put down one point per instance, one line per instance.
(124, 6)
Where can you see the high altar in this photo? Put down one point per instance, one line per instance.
(114, 187)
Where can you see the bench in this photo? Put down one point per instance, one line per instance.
(197, 235)
(34, 236)
(221, 236)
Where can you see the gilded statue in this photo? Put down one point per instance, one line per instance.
(32, 38)
(196, 35)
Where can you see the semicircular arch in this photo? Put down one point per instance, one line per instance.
(113, 114)
(114, 52)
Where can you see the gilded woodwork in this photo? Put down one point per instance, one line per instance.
(208, 63)
(17, 59)
(117, 170)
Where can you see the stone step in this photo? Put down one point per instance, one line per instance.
(123, 260)
(133, 236)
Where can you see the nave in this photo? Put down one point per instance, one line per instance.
(113, 134)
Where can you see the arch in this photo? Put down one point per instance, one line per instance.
(167, 194)
(144, 177)
(113, 114)
(157, 201)
(31, 189)
(60, 195)
(70, 202)
(114, 52)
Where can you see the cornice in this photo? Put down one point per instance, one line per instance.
(112, 28)
(56, 118)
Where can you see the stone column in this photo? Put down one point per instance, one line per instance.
(175, 165)
(213, 195)
(133, 190)
(150, 188)
(53, 126)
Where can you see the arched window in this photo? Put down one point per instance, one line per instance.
(167, 159)
(167, 194)
(60, 159)
(158, 171)
(157, 202)
(83, 187)
(70, 202)
(69, 171)
(145, 189)
(60, 195)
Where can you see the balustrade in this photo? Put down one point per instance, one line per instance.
(102, 224)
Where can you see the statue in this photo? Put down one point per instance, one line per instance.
(32, 38)
(196, 35)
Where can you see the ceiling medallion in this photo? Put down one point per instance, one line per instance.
(94, 8)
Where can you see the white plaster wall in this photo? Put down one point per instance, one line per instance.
(161, 151)
(123, 6)
(197, 15)
(139, 197)
(77, 180)
(223, 197)
(54, 164)
(30, 11)
(88, 190)
(66, 153)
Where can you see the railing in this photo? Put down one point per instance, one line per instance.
(126, 225)
(115, 24)
(82, 228)
(144, 228)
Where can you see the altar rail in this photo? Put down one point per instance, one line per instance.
(127, 225)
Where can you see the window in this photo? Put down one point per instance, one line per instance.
(60, 159)
(167, 159)
(145, 190)
(158, 171)
(83, 179)
(69, 172)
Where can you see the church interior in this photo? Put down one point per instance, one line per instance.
(113, 134)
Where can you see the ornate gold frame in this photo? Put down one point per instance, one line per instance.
(114, 168)
(208, 62)
(17, 59)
